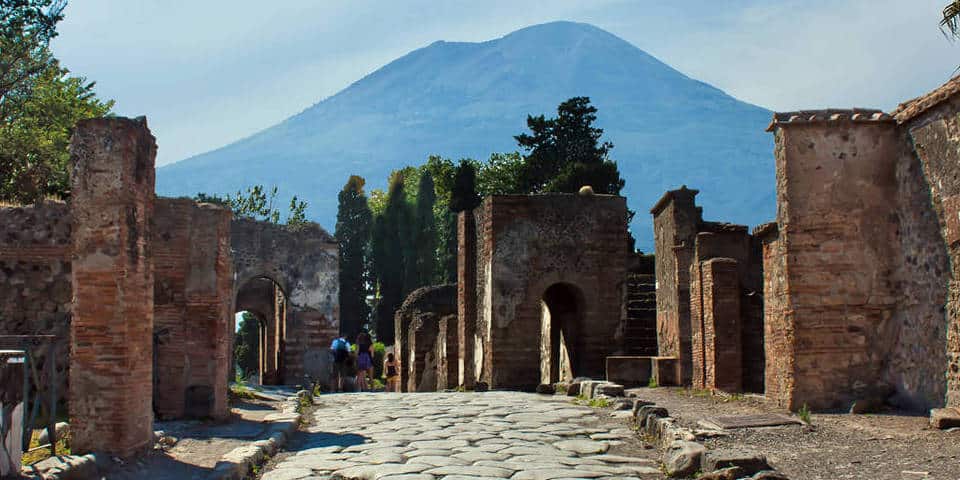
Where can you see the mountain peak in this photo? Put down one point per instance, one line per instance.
(468, 100)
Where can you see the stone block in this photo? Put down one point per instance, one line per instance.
(749, 462)
(683, 459)
(944, 418)
(629, 371)
(608, 389)
(666, 371)
(11, 399)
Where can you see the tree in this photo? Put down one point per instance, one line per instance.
(26, 27)
(464, 193)
(247, 351)
(501, 175)
(565, 153)
(425, 235)
(951, 19)
(443, 171)
(388, 248)
(257, 204)
(35, 131)
(354, 222)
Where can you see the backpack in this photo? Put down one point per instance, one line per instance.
(340, 350)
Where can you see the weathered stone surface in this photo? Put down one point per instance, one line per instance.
(546, 389)
(583, 447)
(683, 458)
(944, 418)
(112, 202)
(748, 461)
(608, 389)
(563, 251)
(729, 473)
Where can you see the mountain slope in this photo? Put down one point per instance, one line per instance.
(469, 99)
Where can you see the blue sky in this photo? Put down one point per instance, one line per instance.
(206, 73)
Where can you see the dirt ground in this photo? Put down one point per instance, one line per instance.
(880, 446)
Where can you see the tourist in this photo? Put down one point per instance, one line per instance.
(364, 359)
(341, 354)
(391, 366)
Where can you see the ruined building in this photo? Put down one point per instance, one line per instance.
(539, 297)
(139, 292)
(853, 279)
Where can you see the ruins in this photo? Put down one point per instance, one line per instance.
(144, 290)
(841, 301)
(846, 300)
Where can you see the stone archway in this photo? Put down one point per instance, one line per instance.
(265, 300)
(304, 265)
(561, 333)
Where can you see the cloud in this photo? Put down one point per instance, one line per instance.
(208, 73)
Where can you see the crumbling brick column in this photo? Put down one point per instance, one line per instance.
(715, 297)
(112, 199)
(466, 297)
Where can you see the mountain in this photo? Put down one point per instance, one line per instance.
(461, 99)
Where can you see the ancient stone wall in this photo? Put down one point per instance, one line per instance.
(35, 289)
(466, 298)
(932, 125)
(530, 244)
(193, 316)
(303, 263)
(716, 325)
(111, 370)
(417, 332)
(676, 219)
(838, 223)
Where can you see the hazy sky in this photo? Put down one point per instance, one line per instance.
(206, 73)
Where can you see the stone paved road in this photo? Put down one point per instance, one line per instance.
(455, 436)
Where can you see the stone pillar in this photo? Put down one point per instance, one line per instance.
(11, 411)
(466, 297)
(721, 325)
(111, 370)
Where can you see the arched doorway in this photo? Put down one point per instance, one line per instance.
(561, 327)
(262, 302)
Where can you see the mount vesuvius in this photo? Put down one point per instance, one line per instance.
(459, 100)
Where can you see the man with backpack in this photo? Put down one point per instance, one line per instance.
(341, 360)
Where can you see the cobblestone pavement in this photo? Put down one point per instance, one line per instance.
(456, 436)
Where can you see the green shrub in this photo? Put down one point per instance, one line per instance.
(804, 413)
(652, 383)
(379, 352)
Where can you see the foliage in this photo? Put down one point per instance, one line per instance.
(599, 402)
(354, 223)
(951, 19)
(246, 348)
(443, 171)
(241, 391)
(652, 383)
(501, 175)
(35, 130)
(257, 203)
(26, 27)
(379, 352)
(565, 153)
(376, 384)
(804, 414)
(387, 249)
(464, 193)
(425, 233)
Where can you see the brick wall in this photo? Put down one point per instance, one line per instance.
(778, 333)
(466, 298)
(416, 330)
(192, 308)
(836, 220)
(675, 222)
(35, 288)
(640, 304)
(530, 243)
(112, 326)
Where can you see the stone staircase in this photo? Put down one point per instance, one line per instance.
(640, 331)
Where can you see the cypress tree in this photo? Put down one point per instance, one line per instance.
(354, 223)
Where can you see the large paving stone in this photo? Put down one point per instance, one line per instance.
(582, 447)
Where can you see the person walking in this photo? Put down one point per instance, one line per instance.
(391, 366)
(364, 360)
(341, 356)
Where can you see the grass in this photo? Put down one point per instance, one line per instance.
(804, 414)
(29, 458)
(652, 383)
(376, 384)
(561, 388)
(241, 391)
(599, 402)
